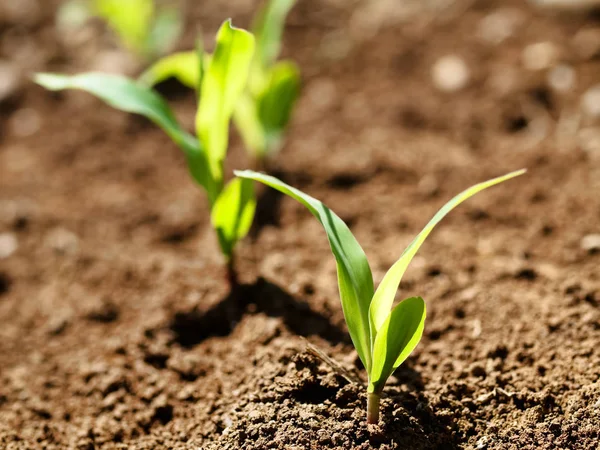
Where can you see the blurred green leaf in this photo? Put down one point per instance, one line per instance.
(166, 29)
(233, 213)
(268, 28)
(277, 101)
(354, 274)
(182, 66)
(247, 122)
(223, 82)
(130, 19)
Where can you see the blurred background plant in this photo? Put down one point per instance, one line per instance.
(147, 28)
(263, 111)
(219, 86)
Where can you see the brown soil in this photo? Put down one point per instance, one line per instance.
(117, 329)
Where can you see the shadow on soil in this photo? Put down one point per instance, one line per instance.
(408, 420)
(193, 327)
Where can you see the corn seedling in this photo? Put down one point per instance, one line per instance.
(222, 82)
(263, 111)
(383, 335)
(142, 26)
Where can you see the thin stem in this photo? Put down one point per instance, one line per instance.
(373, 407)
(232, 278)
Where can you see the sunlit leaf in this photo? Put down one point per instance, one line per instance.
(223, 82)
(277, 101)
(398, 336)
(247, 122)
(129, 96)
(233, 212)
(130, 19)
(384, 296)
(268, 29)
(166, 29)
(182, 66)
(354, 274)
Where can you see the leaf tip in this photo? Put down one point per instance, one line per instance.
(48, 80)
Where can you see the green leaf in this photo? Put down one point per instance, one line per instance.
(233, 213)
(386, 291)
(123, 94)
(166, 29)
(182, 66)
(398, 336)
(268, 29)
(354, 274)
(130, 19)
(277, 101)
(129, 96)
(222, 84)
(245, 117)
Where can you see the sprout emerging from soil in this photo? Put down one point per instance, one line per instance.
(264, 109)
(383, 335)
(221, 82)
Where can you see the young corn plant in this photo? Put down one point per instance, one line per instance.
(142, 26)
(383, 335)
(263, 111)
(221, 84)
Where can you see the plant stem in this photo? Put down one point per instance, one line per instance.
(232, 278)
(373, 399)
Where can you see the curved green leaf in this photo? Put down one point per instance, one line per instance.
(130, 19)
(166, 29)
(277, 101)
(123, 94)
(233, 212)
(398, 336)
(386, 291)
(354, 274)
(222, 84)
(182, 66)
(245, 117)
(129, 96)
(268, 29)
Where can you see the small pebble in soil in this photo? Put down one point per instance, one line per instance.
(62, 241)
(9, 80)
(590, 102)
(562, 78)
(591, 243)
(500, 25)
(58, 323)
(102, 310)
(428, 186)
(589, 141)
(586, 43)
(25, 122)
(8, 244)
(540, 56)
(450, 73)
